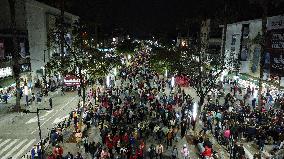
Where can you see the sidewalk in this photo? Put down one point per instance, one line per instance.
(6, 108)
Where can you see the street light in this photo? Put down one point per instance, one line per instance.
(166, 73)
(173, 81)
(194, 111)
(108, 81)
(44, 71)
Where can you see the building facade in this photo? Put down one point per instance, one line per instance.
(36, 20)
(243, 48)
(242, 52)
(211, 39)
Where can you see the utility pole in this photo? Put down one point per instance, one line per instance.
(224, 30)
(44, 73)
(62, 29)
(39, 128)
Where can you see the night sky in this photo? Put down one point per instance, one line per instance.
(145, 17)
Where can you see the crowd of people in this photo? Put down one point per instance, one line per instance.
(240, 120)
(141, 115)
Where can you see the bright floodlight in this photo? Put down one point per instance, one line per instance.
(108, 81)
(173, 81)
(255, 94)
(166, 73)
(26, 90)
(194, 111)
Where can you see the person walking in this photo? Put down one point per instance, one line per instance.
(62, 91)
(185, 152)
(50, 102)
(152, 151)
(174, 152)
(159, 151)
(5, 97)
(169, 138)
(183, 129)
(69, 156)
(86, 144)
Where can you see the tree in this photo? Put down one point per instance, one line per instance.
(126, 47)
(16, 66)
(162, 59)
(81, 58)
(203, 73)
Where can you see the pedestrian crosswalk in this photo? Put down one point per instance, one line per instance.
(15, 148)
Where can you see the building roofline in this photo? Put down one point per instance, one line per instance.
(247, 21)
(43, 6)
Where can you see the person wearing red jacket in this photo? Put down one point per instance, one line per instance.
(125, 138)
(109, 143)
(57, 151)
(116, 138)
(142, 144)
(207, 152)
(139, 153)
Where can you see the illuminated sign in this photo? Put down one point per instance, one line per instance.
(5, 72)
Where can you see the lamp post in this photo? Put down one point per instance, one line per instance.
(44, 72)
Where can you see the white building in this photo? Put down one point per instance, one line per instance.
(40, 20)
(241, 47)
(37, 19)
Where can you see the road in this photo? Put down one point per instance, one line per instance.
(19, 131)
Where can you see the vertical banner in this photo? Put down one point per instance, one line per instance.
(22, 50)
(68, 42)
(282, 82)
(2, 50)
(244, 49)
(275, 45)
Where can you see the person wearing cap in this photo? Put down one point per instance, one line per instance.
(185, 152)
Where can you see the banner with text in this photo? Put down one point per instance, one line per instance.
(275, 45)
